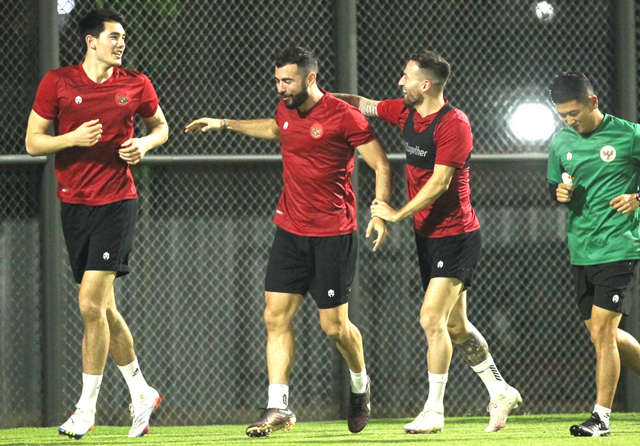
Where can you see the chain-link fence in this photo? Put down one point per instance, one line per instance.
(194, 300)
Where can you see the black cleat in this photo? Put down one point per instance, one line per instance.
(272, 420)
(359, 409)
(593, 427)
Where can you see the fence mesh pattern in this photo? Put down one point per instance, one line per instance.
(20, 357)
(194, 300)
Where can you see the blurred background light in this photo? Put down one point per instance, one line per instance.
(532, 122)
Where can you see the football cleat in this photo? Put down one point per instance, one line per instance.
(500, 407)
(593, 427)
(78, 424)
(359, 409)
(142, 412)
(427, 422)
(272, 420)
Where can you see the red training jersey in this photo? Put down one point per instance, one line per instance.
(317, 159)
(451, 214)
(95, 175)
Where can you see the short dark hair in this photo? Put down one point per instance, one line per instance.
(93, 23)
(302, 57)
(570, 86)
(435, 66)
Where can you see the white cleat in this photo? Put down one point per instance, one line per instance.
(499, 409)
(428, 422)
(142, 412)
(78, 424)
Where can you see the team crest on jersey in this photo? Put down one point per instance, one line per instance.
(316, 131)
(122, 99)
(608, 154)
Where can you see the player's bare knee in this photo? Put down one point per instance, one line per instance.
(91, 310)
(276, 321)
(334, 330)
(432, 323)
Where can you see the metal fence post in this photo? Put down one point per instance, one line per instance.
(625, 94)
(347, 82)
(51, 246)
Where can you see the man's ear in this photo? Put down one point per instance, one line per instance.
(311, 79)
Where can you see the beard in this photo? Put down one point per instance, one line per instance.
(296, 100)
(412, 101)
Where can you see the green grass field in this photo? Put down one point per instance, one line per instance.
(534, 430)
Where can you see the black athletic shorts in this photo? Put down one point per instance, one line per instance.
(611, 286)
(323, 266)
(99, 238)
(455, 256)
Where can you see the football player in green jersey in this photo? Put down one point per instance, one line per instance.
(594, 166)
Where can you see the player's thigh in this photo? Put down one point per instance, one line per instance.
(458, 321)
(449, 257)
(441, 297)
(112, 237)
(288, 267)
(96, 290)
(614, 285)
(77, 225)
(281, 308)
(334, 260)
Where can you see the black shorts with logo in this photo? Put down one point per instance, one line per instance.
(323, 266)
(99, 238)
(611, 286)
(455, 256)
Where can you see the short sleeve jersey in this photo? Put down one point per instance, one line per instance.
(95, 175)
(603, 164)
(451, 214)
(317, 157)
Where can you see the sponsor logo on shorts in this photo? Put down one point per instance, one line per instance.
(106, 256)
(331, 293)
(286, 125)
(440, 264)
(78, 100)
(608, 154)
(279, 212)
(569, 156)
(615, 298)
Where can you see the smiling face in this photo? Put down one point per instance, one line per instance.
(413, 84)
(109, 45)
(292, 85)
(583, 117)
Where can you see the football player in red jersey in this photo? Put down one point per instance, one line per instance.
(92, 106)
(438, 141)
(315, 245)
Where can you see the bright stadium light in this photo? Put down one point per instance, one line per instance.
(66, 6)
(532, 122)
(545, 11)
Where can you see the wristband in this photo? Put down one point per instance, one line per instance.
(225, 123)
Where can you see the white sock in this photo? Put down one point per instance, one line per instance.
(603, 413)
(278, 396)
(359, 381)
(90, 389)
(136, 382)
(437, 384)
(491, 377)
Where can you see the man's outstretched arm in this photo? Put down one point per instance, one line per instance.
(257, 128)
(368, 107)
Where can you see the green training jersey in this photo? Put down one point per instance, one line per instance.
(603, 164)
